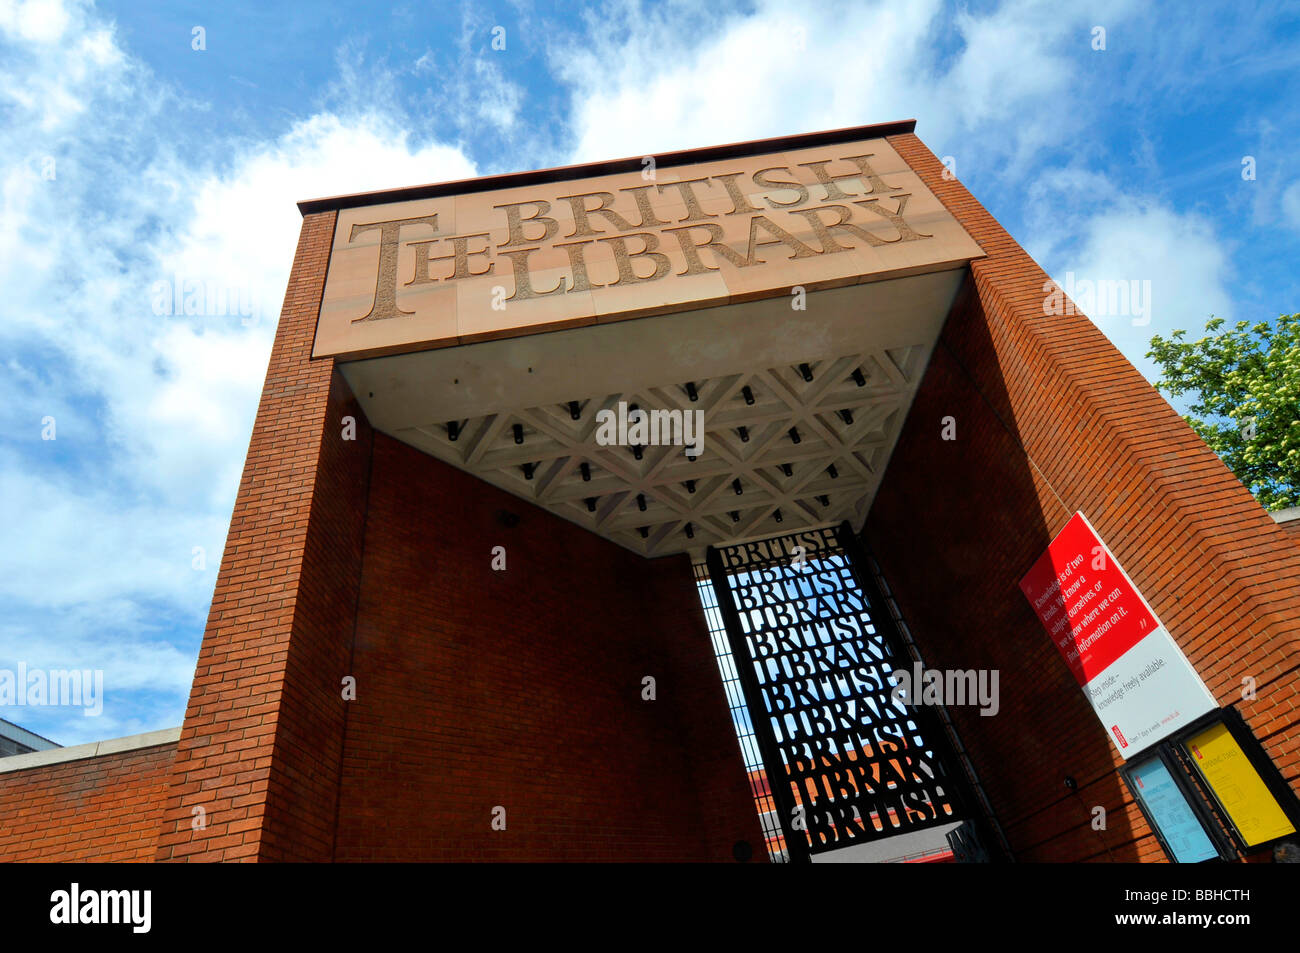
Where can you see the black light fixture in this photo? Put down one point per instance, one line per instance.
(637, 450)
(586, 471)
(645, 533)
(858, 378)
(591, 504)
(787, 469)
(575, 410)
(690, 531)
(519, 433)
(690, 486)
(453, 430)
(640, 502)
(748, 394)
(777, 515)
(806, 371)
(847, 415)
(690, 391)
(735, 516)
(744, 434)
(794, 435)
(735, 485)
(528, 470)
(824, 500)
(832, 471)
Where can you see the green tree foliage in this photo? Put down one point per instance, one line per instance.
(1246, 381)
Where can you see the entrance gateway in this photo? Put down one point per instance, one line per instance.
(458, 616)
(786, 300)
(433, 510)
(849, 759)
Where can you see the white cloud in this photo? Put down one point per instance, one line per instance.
(1086, 231)
(655, 80)
(138, 674)
(40, 22)
(63, 62)
(484, 90)
(993, 88)
(153, 410)
(1291, 205)
(674, 77)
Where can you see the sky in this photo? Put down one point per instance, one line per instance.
(148, 144)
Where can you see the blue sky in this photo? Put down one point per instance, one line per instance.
(132, 160)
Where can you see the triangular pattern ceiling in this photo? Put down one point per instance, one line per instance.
(805, 444)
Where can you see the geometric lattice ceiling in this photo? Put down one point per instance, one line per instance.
(840, 375)
(657, 499)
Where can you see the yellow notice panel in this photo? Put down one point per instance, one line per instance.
(1238, 786)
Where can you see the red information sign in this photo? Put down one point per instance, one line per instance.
(1086, 603)
(1139, 683)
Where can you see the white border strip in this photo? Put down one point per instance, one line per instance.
(95, 749)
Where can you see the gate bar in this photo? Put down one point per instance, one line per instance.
(964, 796)
(796, 842)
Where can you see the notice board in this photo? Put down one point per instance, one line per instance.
(1138, 681)
(1241, 792)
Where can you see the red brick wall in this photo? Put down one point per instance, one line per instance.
(474, 688)
(695, 692)
(522, 689)
(1051, 419)
(260, 745)
(96, 809)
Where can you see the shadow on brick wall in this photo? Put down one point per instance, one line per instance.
(955, 526)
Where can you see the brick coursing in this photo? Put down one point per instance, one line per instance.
(106, 808)
(260, 746)
(522, 689)
(1051, 419)
(473, 688)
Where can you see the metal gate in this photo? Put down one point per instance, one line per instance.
(846, 759)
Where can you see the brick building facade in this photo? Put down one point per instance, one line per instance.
(479, 690)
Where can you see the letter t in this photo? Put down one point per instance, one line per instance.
(385, 304)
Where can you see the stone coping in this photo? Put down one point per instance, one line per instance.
(94, 749)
